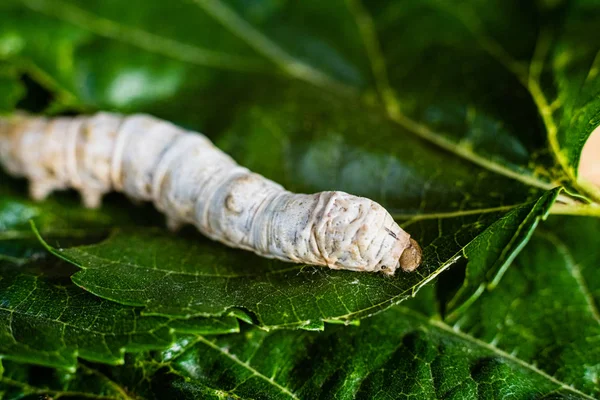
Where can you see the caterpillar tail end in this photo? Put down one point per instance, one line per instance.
(411, 257)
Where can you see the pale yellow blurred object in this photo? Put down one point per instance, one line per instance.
(589, 164)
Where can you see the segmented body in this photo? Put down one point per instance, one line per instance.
(192, 181)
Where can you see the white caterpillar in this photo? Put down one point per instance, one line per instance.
(192, 181)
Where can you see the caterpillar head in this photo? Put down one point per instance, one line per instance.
(411, 256)
(358, 234)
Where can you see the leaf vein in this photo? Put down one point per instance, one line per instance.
(145, 40)
(501, 353)
(247, 366)
(265, 46)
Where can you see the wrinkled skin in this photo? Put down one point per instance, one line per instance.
(192, 181)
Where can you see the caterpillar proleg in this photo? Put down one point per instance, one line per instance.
(193, 182)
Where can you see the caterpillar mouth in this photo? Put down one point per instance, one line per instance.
(411, 257)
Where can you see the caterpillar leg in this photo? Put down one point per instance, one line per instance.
(174, 224)
(91, 198)
(41, 189)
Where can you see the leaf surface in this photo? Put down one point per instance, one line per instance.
(21, 381)
(517, 341)
(210, 280)
(47, 320)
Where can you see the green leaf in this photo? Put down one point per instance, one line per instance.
(22, 381)
(226, 49)
(457, 124)
(46, 320)
(433, 151)
(534, 336)
(61, 218)
(547, 309)
(455, 75)
(10, 87)
(490, 254)
(344, 47)
(211, 280)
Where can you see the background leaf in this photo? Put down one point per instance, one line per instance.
(61, 218)
(516, 341)
(343, 48)
(547, 308)
(46, 320)
(23, 381)
(10, 87)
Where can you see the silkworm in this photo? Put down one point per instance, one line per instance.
(191, 181)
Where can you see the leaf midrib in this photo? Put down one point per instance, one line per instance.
(411, 218)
